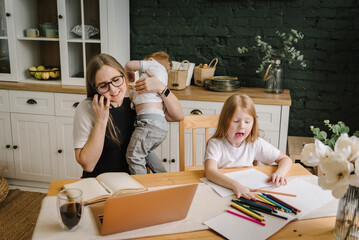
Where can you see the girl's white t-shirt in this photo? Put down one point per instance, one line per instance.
(228, 156)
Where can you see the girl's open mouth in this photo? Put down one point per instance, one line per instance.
(239, 135)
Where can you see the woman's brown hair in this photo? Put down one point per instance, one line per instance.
(228, 111)
(94, 65)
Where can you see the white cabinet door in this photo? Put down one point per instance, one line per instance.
(34, 143)
(68, 166)
(168, 150)
(6, 151)
(8, 60)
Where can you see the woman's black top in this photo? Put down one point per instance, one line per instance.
(113, 157)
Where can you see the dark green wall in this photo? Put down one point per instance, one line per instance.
(201, 30)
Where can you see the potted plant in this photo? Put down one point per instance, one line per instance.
(274, 57)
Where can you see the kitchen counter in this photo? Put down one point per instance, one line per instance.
(190, 93)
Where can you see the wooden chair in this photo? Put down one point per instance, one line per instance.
(194, 122)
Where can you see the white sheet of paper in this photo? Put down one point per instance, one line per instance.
(251, 178)
(309, 196)
(233, 227)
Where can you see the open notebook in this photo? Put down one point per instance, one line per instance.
(124, 213)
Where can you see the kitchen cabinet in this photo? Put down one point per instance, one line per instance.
(65, 105)
(6, 153)
(40, 124)
(70, 51)
(8, 66)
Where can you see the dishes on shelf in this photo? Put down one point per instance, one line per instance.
(45, 73)
(222, 83)
(89, 31)
(47, 25)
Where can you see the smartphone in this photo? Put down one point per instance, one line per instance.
(105, 99)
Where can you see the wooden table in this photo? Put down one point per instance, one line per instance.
(319, 228)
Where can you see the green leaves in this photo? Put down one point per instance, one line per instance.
(337, 130)
(287, 52)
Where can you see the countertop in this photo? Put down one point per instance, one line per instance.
(193, 93)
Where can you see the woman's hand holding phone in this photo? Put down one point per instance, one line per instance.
(100, 107)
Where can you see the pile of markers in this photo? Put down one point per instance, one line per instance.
(266, 203)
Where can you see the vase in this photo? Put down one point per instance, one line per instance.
(347, 221)
(274, 77)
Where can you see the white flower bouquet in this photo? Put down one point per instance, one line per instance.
(337, 157)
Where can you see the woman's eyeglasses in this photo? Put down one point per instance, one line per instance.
(104, 87)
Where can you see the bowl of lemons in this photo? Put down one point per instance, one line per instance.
(45, 73)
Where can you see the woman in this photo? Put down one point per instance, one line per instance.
(103, 126)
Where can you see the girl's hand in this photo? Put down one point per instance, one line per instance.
(243, 191)
(278, 179)
(149, 84)
(101, 109)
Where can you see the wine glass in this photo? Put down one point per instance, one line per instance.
(70, 208)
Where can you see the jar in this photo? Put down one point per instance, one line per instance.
(347, 221)
(274, 77)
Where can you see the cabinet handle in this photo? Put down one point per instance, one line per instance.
(60, 16)
(7, 146)
(14, 147)
(31, 101)
(173, 160)
(8, 14)
(164, 160)
(59, 151)
(75, 104)
(196, 112)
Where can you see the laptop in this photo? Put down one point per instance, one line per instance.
(128, 212)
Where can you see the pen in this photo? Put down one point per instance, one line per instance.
(250, 219)
(242, 209)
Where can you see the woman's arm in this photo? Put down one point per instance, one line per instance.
(89, 155)
(284, 165)
(212, 174)
(174, 112)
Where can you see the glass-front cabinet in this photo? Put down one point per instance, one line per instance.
(54, 39)
(8, 71)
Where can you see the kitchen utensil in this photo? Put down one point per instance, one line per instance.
(222, 83)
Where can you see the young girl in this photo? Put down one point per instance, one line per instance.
(236, 144)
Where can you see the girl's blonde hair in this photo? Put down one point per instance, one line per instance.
(94, 65)
(230, 107)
